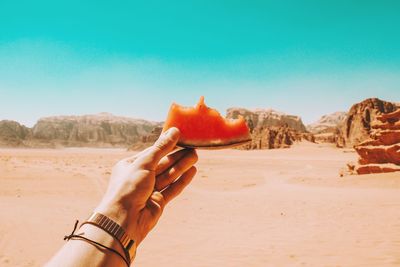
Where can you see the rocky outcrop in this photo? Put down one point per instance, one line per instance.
(358, 123)
(97, 130)
(147, 140)
(100, 130)
(271, 129)
(377, 168)
(385, 126)
(390, 119)
(327, 128)
(271, 137)
(276, 137)
(328, 123)
(381, 153)
(382, 138)
(263, 118)
(13, 134)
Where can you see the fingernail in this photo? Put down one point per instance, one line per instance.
(167, 132)
(171, 132)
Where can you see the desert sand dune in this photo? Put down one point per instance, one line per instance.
(286, 207)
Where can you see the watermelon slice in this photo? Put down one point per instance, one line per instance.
(203, 127)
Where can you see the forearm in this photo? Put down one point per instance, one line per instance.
(78, 252)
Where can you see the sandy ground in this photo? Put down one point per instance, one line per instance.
(284, 207)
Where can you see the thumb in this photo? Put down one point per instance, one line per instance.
(164, 145)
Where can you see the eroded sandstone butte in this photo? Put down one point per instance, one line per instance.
(99, 130)
(358, 123)
(381, 153)
(271, 129)
(13, 134)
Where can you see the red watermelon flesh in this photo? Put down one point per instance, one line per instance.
(204, 127)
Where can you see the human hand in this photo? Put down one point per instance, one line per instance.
(140, 186)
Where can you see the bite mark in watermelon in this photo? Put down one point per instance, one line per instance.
(204, 127)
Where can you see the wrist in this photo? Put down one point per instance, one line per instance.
(120, 212)
(115, 213)
(113, 227)
(90, 246)
(99, 235)
(121, 215)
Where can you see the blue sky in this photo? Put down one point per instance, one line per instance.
(134, 58)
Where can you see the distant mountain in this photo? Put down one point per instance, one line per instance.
(271, 129)
(101, 130)
(13, 134)
(258, 118)
(328, 123)
(327, 128)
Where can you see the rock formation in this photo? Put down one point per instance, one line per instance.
(271, 129)
(259, 118)
(327, 128)
(147, 140)
(381, 153)
(357, 125)
(327, 122)
(276, 137)
(100, 130)
(103, 128)
(13, 134)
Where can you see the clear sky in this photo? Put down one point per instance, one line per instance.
(134, 58)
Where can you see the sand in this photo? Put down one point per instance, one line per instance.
(286, 207)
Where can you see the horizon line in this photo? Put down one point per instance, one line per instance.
(31, 125)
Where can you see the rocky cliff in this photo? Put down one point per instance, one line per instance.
(100, 130)
(148, 139)
(328, 123)
(271, 129)
(260, 118)
(381, 153)
(327, 128)
(357, 125)
(276, 137)
(13, 134)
